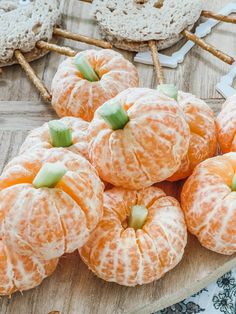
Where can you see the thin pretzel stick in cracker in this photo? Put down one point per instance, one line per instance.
(52, 47)
(219, 17)
(77, 37)
(201, 43)
(156, 62)
(34, 78)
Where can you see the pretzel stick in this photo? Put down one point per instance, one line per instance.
(156, 61)
(218, 17)
(91, 41)
(201, 43)
(52, 47)
(88, 1)
(34, 78)
(159, 4)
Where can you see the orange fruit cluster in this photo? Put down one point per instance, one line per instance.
(137, 141)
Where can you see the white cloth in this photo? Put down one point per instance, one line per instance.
(217, 298)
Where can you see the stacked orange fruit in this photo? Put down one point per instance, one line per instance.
(51, 196)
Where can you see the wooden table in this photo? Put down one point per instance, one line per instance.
(73, 289)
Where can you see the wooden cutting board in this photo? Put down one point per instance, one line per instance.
(72, 289)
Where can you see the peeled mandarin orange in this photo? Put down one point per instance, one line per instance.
(40, 137)
(74, 95)
(148, 148)
(202, 145)
(47, 221)
(134, 250)
(19, 273)
(209, 203)
(226, 126)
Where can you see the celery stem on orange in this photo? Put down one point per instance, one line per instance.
(60, 134)
(86, 69)
(49, 175)
(138, 216)
(114, 115)
(169, 90)
(233, 185)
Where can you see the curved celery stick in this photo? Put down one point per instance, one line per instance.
(233, 185)
(49, 175)
(138, 216)
(86, 69)
(60, 134)
(169, 90)
(114, 115)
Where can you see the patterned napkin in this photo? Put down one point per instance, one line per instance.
(218, 298)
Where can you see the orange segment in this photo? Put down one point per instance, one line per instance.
(19, 272)
(226, 125)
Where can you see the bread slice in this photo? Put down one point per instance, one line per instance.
(22, 24)
(128, 25)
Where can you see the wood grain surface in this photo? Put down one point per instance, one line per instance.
(72, 289)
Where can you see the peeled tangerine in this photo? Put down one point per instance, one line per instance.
(19, 272)
(86, 81)
(138, 138)
(226, 126)
(68, 132)
(50, 201)
(209, 202)
(141, 236)
(202, 145)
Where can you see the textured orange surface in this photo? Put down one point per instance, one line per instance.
(210, 205)
(117, 253)
(38, 225)
(201, 121)
(18, 272)
(151, 146)
(40, 137)
(226, 126)
(74, 96)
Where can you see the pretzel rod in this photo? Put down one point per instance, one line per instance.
(201, 43)
(88, 1)
(219, 17)
(156, 61)
(91, 41)
(34, 78)
(52, 47)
